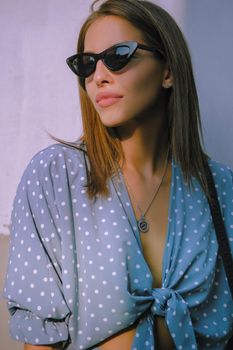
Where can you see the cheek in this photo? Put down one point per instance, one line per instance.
(145, 88)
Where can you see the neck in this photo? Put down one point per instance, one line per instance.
(145, 146)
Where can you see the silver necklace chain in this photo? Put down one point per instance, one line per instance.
(142, 223)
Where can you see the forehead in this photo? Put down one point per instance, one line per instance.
(110, 30)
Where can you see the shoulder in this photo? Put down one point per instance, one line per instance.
(223, 175)
(55, 159)
(219, 169)
(223, 178)
(58, 153)
(49, 177)
(57, 166)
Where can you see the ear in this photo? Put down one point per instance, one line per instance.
(167, 79)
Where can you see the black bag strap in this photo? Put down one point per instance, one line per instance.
(223, 242)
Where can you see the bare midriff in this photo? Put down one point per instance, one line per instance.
(124, 340)
(153, 243)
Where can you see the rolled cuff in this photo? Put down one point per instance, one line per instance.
(27, 327)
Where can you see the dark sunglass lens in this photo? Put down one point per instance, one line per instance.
(117, 57)
(86, 65)
(83, 65)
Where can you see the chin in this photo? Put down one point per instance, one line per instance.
(113, 122)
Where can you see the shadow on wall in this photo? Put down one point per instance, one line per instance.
(6, 342)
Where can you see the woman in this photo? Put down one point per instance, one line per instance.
(112, 239)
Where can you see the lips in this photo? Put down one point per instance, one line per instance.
(105, 99)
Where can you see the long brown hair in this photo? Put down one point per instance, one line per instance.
(185, 134)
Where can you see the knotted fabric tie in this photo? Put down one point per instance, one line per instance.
(169, 304)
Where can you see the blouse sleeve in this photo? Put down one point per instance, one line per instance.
(34, 289)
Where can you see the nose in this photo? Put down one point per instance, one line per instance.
(101, 75)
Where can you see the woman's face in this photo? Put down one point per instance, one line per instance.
(139, 83)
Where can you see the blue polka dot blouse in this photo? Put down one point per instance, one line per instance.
(77, 274)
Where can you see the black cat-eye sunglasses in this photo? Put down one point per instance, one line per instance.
(114, 58)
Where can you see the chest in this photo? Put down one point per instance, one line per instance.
(153, 203)
(153, 241)
(109, 241)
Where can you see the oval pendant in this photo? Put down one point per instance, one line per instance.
(143, 225)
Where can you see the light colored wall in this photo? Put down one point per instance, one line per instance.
(208, 26)
(37, 91)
